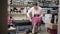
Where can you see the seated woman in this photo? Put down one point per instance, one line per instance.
(37, 14)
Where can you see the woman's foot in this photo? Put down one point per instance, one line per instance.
(28, 31)
(35, 33)
(32, 33)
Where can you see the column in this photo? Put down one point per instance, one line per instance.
(59, 19)
(3, 16)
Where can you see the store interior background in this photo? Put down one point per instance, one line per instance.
(26, 4)
(18, 15)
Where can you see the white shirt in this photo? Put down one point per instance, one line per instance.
(34, 11)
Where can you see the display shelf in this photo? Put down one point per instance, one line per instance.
(19, 16)
(17, 13)
(39, 5)
(17, 5)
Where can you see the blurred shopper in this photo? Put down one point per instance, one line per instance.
(10, 24)
(10, 19)
(36, 13)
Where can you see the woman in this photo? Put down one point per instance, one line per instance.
(36, 13)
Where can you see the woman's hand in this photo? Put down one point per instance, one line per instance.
(40, 16)
(30, 19)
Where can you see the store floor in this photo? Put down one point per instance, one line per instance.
(43, 30)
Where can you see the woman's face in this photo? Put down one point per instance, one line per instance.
(35, 7)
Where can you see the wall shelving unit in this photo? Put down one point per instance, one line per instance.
(26, 4)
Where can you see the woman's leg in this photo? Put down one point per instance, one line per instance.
(38, 27)
(33, 29)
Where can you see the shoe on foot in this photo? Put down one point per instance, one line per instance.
(35, 32)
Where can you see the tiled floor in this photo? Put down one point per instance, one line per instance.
(43, 30)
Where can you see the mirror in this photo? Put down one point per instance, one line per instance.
(19, 23)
